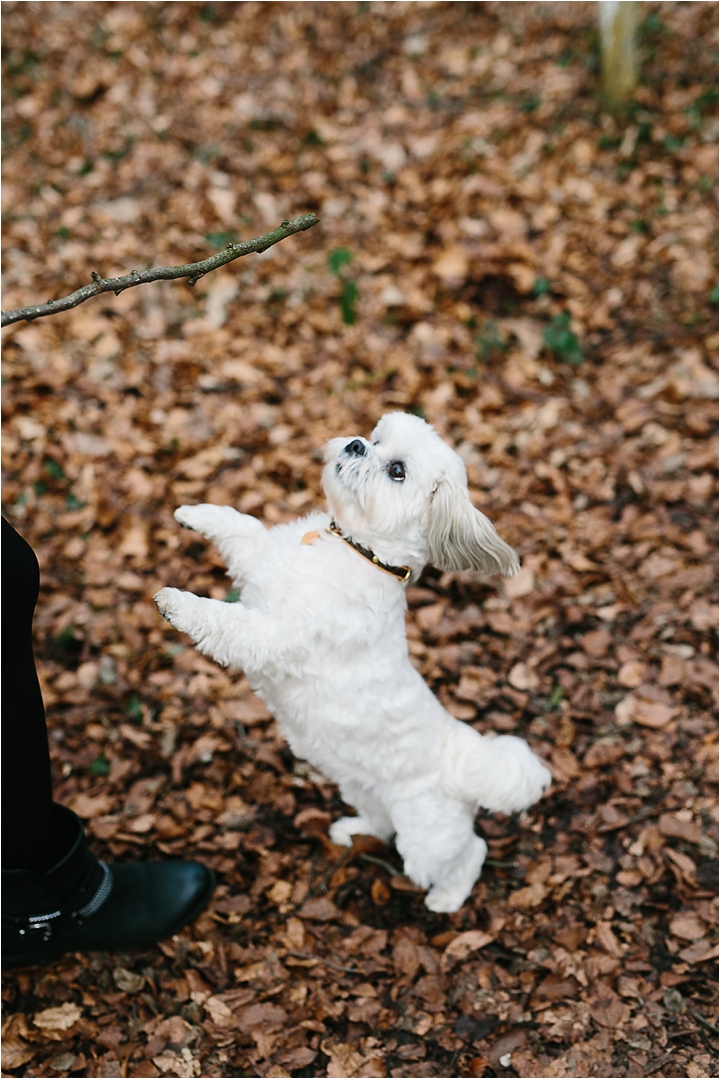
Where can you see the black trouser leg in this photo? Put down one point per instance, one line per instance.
(29, 839)
(56, 896)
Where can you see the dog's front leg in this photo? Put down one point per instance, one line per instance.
(237, 536)
(229, 633)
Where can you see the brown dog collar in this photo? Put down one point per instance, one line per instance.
(402, 573)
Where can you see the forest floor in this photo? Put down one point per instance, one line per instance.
(539, 281)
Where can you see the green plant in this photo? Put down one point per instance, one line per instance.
(134, 709)
(705, 103)
(206, 155)
(99, 767)
(673, 143)
(338, 257)
(488, 341)
(651, 25)
(560, 339)
(337, 260)
(348, 302)
(608, 142)
(118, 155)
(65, 639)
(529, 103)
(555, 697)
(53, 469)
(221, 239)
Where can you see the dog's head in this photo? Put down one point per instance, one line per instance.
(404, 494)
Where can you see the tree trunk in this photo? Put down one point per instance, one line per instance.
(618, 23)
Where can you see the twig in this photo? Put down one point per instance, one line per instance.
(326, 962)
(324, 884)
(193, 271)
(374, 860)
(659, 1062)
(709, 1042)
(704, 1022)
(644, 814)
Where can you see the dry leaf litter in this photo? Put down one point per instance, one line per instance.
(536, 279)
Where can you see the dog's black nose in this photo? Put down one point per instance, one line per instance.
(356, 448)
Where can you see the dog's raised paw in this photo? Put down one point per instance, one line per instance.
(187, 516)
(210, 521)
(166, 602)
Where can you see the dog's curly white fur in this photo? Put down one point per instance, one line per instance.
(320, 634)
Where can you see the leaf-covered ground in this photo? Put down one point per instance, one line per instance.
(540, 282)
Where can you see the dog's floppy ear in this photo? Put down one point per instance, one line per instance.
(461, 537)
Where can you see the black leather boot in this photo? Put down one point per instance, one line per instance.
(83, 905)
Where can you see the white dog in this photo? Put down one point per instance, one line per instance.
(320, 634)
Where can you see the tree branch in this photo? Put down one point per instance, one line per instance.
(193, 271)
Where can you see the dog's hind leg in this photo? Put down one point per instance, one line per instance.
(440, 850)
(449, 893)
(237, 536)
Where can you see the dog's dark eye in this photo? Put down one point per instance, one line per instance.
(396, 471)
